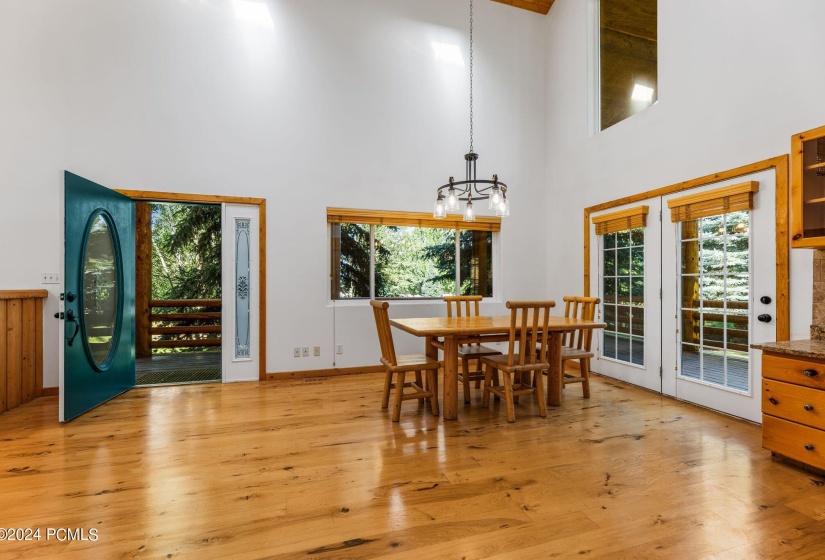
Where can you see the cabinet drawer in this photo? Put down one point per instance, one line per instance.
(791, 370)
(793, 402)
(790, 439)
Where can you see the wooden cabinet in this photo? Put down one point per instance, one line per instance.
(793, 408)
(808, 189)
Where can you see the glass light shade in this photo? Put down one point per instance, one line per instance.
(495, 198)
(452, 199)
(503, 209)
(469, 213)
(438, 209)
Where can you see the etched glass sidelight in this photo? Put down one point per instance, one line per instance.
(242, 288)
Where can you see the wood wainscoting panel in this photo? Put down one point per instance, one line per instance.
(3, 366)
(21, 347)
(14, 353)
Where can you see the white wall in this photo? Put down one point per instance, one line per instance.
(736, 80)
(338, 103)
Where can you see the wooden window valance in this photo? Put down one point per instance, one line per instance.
(619, 221)
(414, 219)
(712, 203)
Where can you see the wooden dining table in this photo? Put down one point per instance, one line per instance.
(450, 332)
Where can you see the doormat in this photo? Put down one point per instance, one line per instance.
(180, 376)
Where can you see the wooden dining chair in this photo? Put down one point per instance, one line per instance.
(576, 345)
(469, 352)
(401, 365)
(528, 327)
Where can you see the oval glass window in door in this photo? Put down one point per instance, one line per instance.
(100, 290)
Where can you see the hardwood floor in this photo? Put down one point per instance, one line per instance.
(315, 469)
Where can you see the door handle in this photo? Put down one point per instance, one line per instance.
(70, 316)
(765, 318)
(765, 299)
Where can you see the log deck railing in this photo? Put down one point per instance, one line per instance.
(183, 312)
(737, 331)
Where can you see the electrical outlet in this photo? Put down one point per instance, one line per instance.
(339, 348)
(305, 351)
(49, 278)
(296, 352)
(316, 351)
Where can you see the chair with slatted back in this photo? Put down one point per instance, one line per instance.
(576, 344)
(528, 327)
(401, 365)
(468, 352)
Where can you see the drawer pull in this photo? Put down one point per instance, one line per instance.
(809, 446)
(773, 400)
(810, 373)
(808, 407)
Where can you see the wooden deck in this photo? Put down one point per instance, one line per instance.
(182, 367)
(315, 469)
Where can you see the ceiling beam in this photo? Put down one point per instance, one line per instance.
(538, 6)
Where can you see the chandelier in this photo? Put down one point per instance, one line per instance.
(450, 195)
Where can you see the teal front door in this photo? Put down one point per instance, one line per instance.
(99, 296)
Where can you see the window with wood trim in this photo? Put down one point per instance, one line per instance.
(409, 255)
(714, 284)
(628, 67)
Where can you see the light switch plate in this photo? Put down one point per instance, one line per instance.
(50, 278)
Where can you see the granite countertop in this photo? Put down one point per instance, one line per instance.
(802, 348)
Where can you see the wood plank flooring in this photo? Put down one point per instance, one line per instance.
(314, 469)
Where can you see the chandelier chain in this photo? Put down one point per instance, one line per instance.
(471, 75)
(472, 189)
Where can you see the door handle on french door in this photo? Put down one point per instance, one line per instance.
(70, 316)
(765, 318)
(765, 299)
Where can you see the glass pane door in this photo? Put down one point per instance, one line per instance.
(627, 267)
(715, 296)
(716, 272)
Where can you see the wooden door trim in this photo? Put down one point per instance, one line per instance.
(780, 165)
(156, 196)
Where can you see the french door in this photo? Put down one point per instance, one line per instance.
(683, 301)
(719, 281)
(628, 265)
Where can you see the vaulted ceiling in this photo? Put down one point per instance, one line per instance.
(538, 6)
